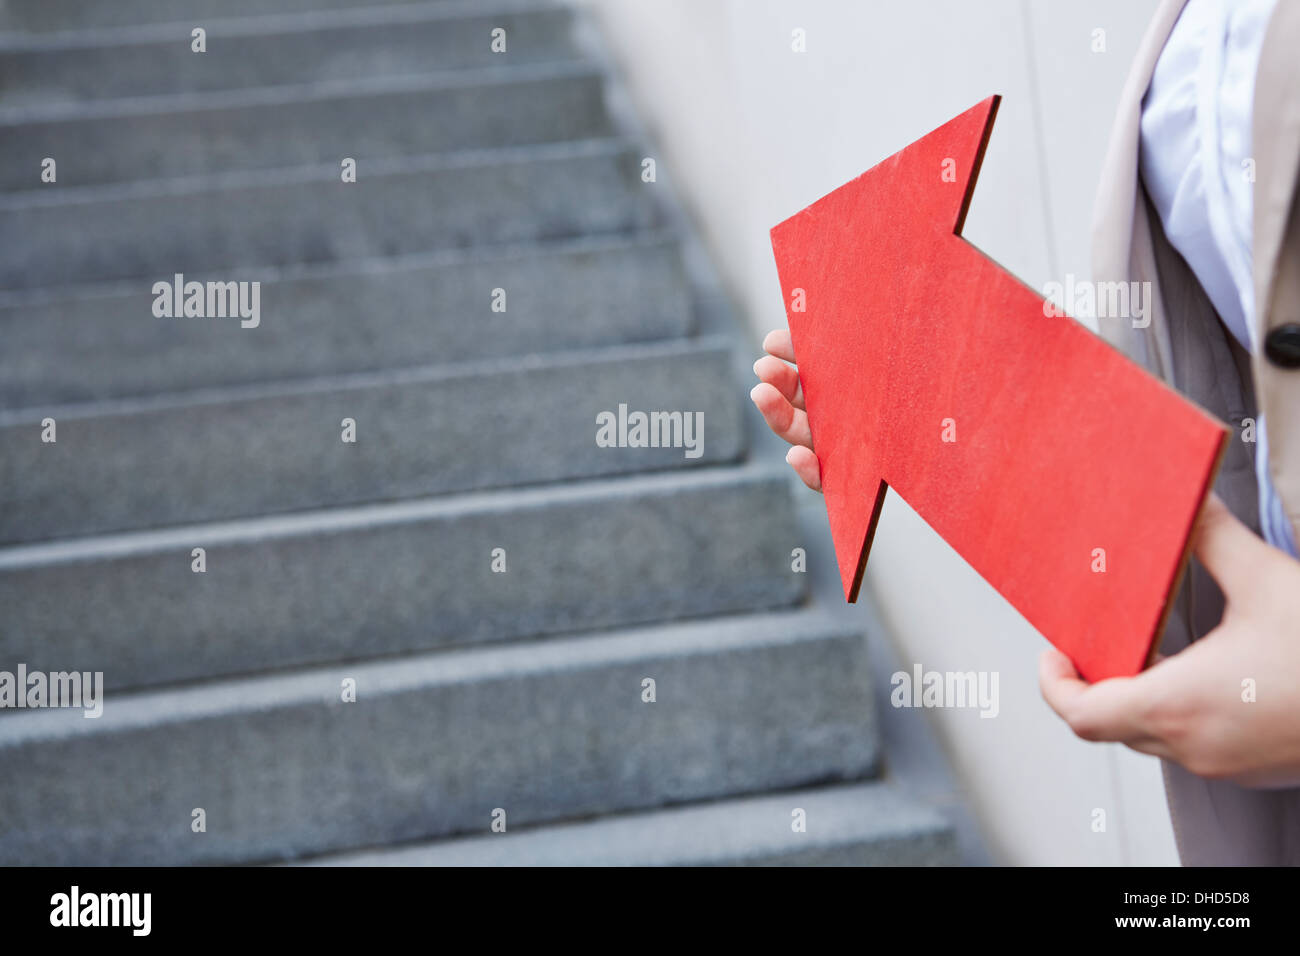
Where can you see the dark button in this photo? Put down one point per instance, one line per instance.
(1282, 345)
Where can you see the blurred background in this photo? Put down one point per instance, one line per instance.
(362, 583)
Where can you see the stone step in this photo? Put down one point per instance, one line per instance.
(250, 450)
(862, 824)
(362, 582)
(77, 235)
(349, 44)
(367, 119)
(51, 15)
(104, 341)
(433, 744)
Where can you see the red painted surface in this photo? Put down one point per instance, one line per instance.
(1063, 445)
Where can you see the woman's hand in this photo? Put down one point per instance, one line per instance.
(780, 399)
(1226, 707)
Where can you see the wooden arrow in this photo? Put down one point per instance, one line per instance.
(1064, 473)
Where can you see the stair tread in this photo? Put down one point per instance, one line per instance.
(180, 399)
(86, 343)
(861, 824)
(355, 16)
(475, 158)
(311, 587)
(200, 700)
(261, 448)
(375, 514)
(221, 222)
(551, 729)
(291, 95)
(122, 14)
(402, 262)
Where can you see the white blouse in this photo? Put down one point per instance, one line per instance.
(1197, 167)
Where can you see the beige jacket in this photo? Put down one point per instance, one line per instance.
(1187, 345)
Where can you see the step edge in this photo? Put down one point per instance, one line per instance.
(388, 677)
(180, 400)
(197, 103)
(478, 159)
(112, 546)
(310, 21)
(726, 813)
(512, 251)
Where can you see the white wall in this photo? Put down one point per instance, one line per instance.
(750, 131)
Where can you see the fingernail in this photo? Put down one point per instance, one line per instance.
(787, 457)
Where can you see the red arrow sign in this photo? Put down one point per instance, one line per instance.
(1067, 476)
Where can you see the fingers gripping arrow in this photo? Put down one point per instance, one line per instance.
(1064, 473)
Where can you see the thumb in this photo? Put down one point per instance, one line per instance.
(1231, 552)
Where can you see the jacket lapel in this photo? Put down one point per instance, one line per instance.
(1276, 135)
(1120, 206)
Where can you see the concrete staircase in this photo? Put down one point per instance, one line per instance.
(370, 564)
